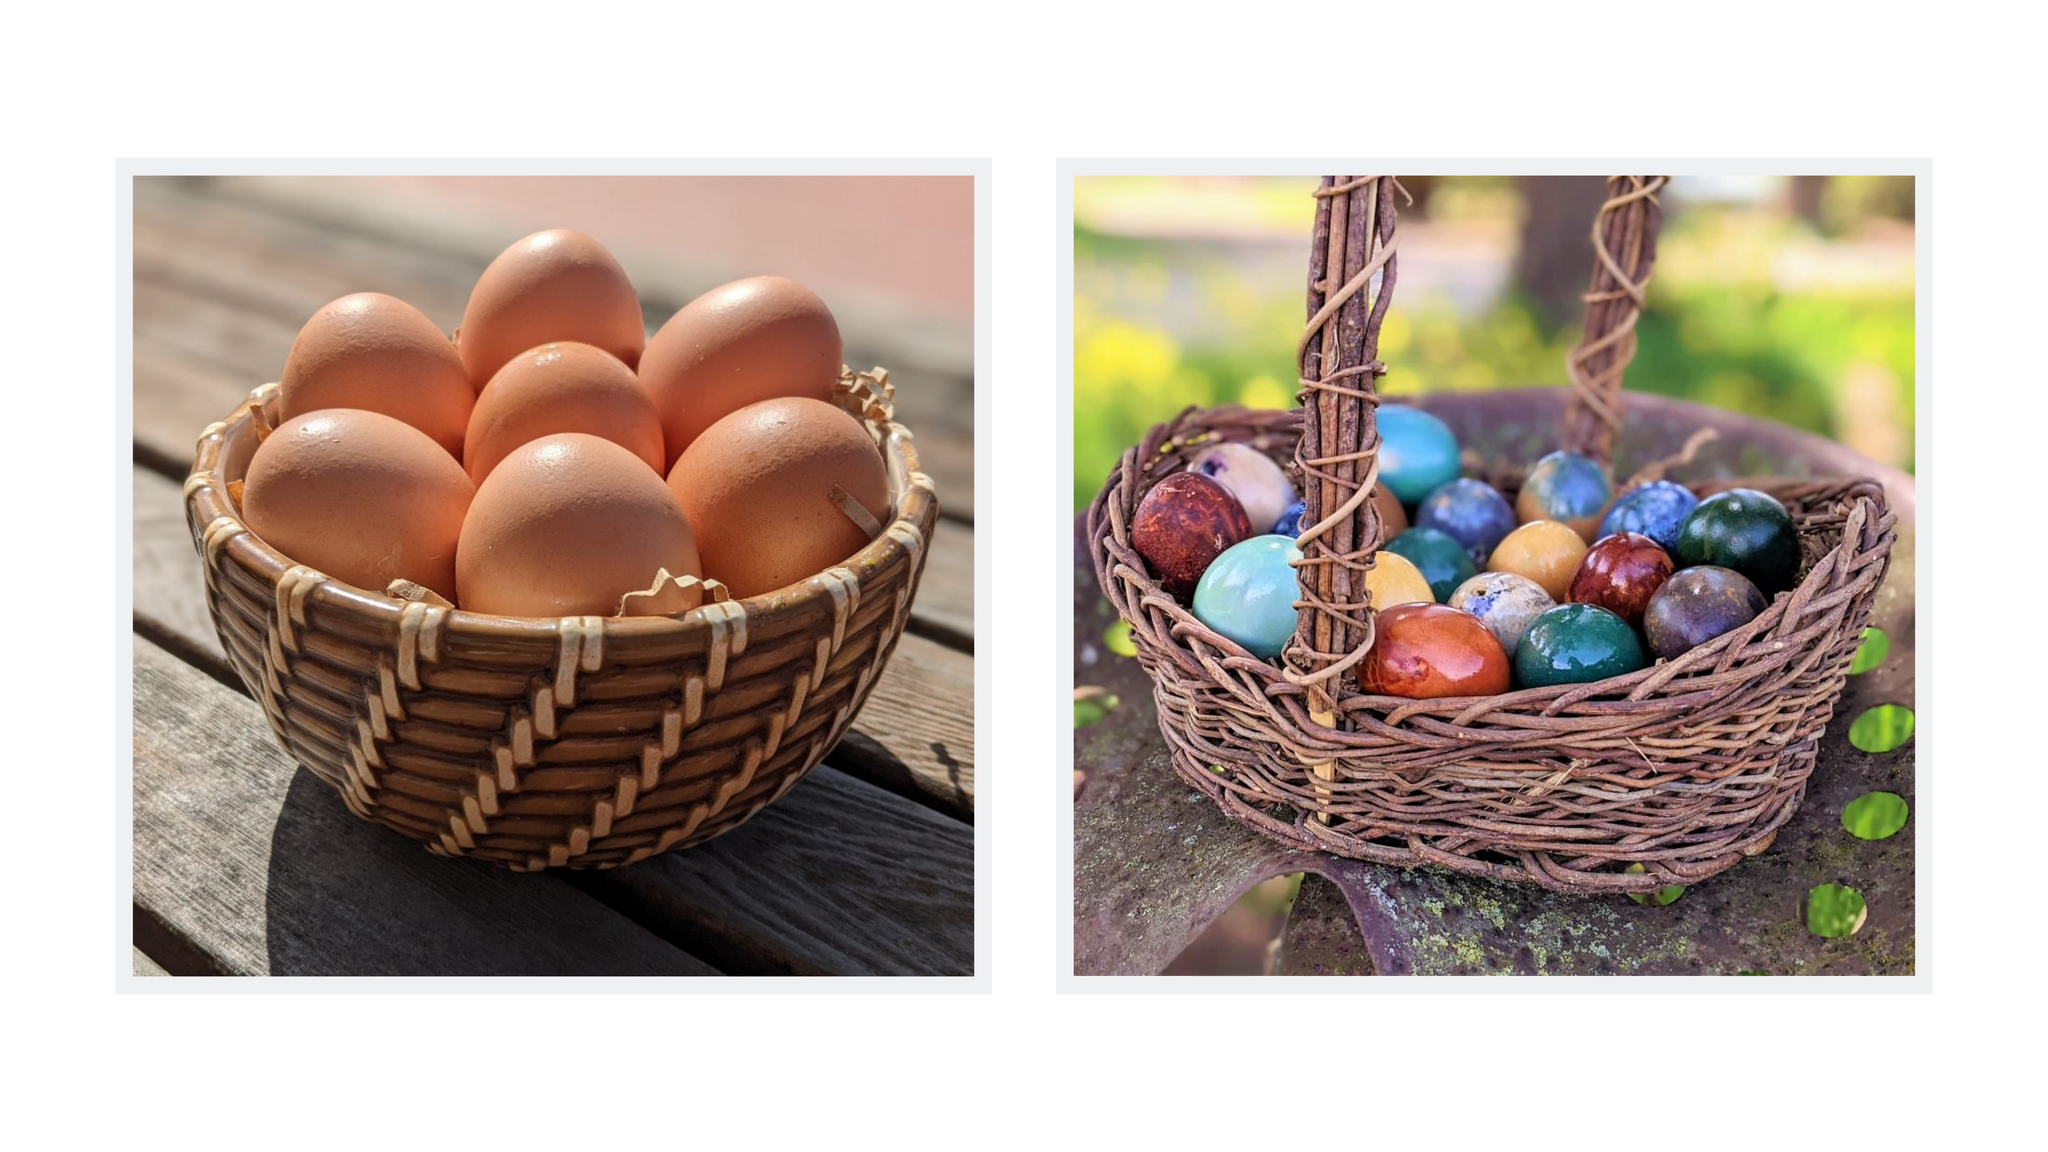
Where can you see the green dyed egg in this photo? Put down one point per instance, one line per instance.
(1576, 644)
(1745, 530)
(1438, 556)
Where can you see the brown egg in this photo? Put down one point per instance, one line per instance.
(550, 287)
(757, 487)
(1393, 517)
(360, 497)
(739, 344)
(566, 526)
(1544, 551)
(1429, 651)
(379, 354)
(561, 388)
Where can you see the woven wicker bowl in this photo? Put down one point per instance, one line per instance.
(580, 741)
(1685, 767)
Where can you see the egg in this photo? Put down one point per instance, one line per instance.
(1429, 651)
(1183, 523)
(566, 526)
(1258, 483)
(379, 354)
(740, 343)
(360, 497)
(550, 287)
(758, 485)
(1544, 551)
(1248, 594)
(1394, 579)
(566, 387)
(1568, 488)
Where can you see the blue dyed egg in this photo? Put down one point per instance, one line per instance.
(1248, 594)
(1418, 454)
(1472, 512)
(1567, 488)
(1289, 523)
(1655, 509)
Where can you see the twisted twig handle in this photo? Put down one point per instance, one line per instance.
(1624, 249)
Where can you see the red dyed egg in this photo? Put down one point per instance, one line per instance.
(1182, 524)
(1620, 574)
(1425, 651)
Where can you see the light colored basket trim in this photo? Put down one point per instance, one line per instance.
(910, 536)
(582, 647)
(487, 793)
(844, 588)
(292, 589)
(693, 699)
(219, 531)
(728, 638)
(627, 796)
(543, 702)
(419, 638)
(368, 740)
(472, 811)
(387, 686)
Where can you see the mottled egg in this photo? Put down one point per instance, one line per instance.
(1248, 594)
(1544, 551)
(1472, 512)
(740, 343)
(1289, 523)
(379, 354)
(1184, 523)
(1441, 560)
(550, 287)
(1258, 483)
(360, 497)
(1576, 644)
(1746, 530)
(1417, 452)
(561, 388)
(1620, 573)
(566, 526)
(1429, 651)
(1655, 509)
(765, 487)
(1567, 488)
(1504, 602)
(1698, 604)
(1394, 579)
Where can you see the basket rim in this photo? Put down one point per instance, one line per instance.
(903, 539)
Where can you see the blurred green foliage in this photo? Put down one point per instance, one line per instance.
(1752, 309)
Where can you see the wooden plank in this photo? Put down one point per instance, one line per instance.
(256, 866)
(200, 255)
(144, 966)
(915, 736)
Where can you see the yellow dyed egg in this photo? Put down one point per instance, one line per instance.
(1544, 551)
(1395, 579)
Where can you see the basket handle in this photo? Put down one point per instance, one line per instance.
(1624, 249)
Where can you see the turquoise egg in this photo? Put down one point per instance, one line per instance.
(1248, 594)
(1440, 558)
(1417, 453)
(1567, 488)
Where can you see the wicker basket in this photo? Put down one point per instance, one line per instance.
(1664, 776)
(581, 741)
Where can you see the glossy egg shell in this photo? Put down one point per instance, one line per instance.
(1394, 579)
(1250, 475)
(1429, 651)
(1441, 560)
(1656, 509)
(1544, 551)
(553, 286)
(561, 388)
(1472, 512)
(1746, 530)
(1417, 452)
(1248, 594)
(1576, 644)
(1186, 521)
(1698, 604)
(379, 354)
(1504, 602)
(1620, 573)
(1289, 523)
(1567, 488)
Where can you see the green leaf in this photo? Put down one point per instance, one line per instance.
(1882, 728)
(1874, 815)
(1834, 911)
(1118, 638)
(1875, 647)
(1660, 897)
(1093, 709)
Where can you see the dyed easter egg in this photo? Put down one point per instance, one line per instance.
(1746, 530)
(1655, 509)
(1620, 573)
(1504, 602)
(1428, 651)
(1567, 488)
(1544, 551)
(1696, 605)
(1289, 523)
(1576, 644)
(1441, 560)
(1417, 452)
(1394, 579)
(1183, 523)
(1248, 594)
(1472, 512)
(1251, 476)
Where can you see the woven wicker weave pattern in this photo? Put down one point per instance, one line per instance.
(580, 742)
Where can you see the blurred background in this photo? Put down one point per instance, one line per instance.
(1789, 297)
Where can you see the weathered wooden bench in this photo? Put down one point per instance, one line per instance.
(246, 864)
(1155, 863)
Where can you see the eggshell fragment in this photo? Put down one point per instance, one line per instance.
(565, 387)
(359, 496)
(379, 354)
(739, 344)
(550, 287)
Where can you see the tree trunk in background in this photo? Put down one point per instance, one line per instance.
(1555, 261)
(1805, 192)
